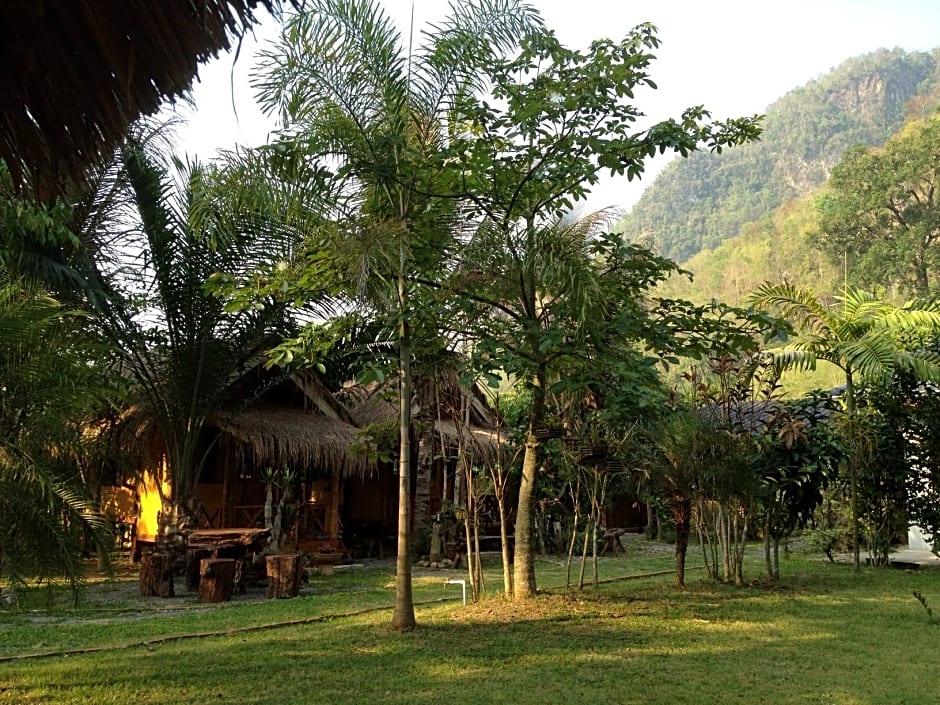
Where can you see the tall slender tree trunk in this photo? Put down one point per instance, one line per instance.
(575, 519)
(767, 560)
(921, 272)
(853, 469)
(504, 547)
(682, 512)
(403, 618)
(524, 560)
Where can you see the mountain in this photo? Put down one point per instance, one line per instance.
(698, 202)
(774, 248)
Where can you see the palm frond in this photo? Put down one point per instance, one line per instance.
(924, 364)
(793, 358)
(799, 305)
(344, 53)
(873, 355)
(471, 36)
(50, 386)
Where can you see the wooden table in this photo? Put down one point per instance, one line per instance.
(240, 543)
(612, 541)
(250, 539)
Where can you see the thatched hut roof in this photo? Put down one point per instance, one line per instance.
(371, 404)
(437, 404)
(272, 418)
(274, 435)
(483, 443)
(754, 415)
(78, 72)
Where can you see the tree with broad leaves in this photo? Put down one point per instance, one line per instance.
(524, 155)
(565, 308)
(799, 450)
(881, 211)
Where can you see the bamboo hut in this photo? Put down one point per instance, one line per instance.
(448, 418)
(290, 421)
(78, 72)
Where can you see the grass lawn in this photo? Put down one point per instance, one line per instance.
(822, 635)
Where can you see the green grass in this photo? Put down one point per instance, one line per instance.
(823, 635)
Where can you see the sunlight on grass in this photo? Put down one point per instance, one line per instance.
(821, 635)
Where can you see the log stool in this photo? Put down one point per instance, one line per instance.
(156, 575)
(285, 572)
(216, 579)
(612, 541)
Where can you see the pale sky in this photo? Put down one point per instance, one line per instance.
(733, 56)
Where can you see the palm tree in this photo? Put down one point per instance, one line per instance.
(56, 243)
(181, 344)
(683, 443)
(863, 336)
(350, 91)
(50, 389)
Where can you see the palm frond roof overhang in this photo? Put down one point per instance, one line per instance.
(77, 73)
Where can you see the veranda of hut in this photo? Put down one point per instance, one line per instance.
(293, 423)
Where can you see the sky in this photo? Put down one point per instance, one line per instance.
(735, 57)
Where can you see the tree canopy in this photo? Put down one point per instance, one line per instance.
(880, 212)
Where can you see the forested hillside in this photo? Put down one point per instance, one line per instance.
(777, 247)
(699, 202)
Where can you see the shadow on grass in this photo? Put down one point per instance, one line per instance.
(826, 636)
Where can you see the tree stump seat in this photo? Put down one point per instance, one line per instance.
(612, 541)
(156, 575)
(285, 573)
(216, 579)
(238, 544)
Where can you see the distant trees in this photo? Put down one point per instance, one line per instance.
(881, 210)
(698, 203)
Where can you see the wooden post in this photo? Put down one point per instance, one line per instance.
(224, 510)
(156, 575)
(333, 522)
(437, 543)
(285, 572)
(216, 579)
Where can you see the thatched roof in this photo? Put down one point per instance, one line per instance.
(272, 418)
(483, 443)
(371, 404)
(438, 404)
(753, 416)
(76, 73)
(317, 394)
(274, 435)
